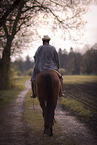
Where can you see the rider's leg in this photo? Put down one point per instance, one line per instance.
(33, 86)
(61, 87)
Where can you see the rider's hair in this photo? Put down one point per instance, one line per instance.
(45, 41)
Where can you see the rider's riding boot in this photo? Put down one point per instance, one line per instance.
(61, 92)
(33, 85)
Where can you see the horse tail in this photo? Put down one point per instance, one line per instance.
(49, 100)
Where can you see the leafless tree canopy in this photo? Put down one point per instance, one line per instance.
(16, 14)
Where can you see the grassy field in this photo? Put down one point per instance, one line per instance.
(7, 96)
(79, 79)
(80, 87)
(81, 97)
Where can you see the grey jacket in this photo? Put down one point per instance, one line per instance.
(46, 58)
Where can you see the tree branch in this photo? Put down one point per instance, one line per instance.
(5, 29)
(17, 17)
(8, 11)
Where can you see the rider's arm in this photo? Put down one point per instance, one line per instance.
(37, 54)
(56, 57)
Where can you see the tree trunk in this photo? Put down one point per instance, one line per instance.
(5, 69)
(5, 80)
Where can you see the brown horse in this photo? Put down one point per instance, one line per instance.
(47, 90)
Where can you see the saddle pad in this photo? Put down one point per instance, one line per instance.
(59, 75)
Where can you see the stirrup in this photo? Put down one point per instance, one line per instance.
(32, 96)
(61, 95)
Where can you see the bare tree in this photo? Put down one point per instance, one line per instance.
(5, 12)
(15, 15)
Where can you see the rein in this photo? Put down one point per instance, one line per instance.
(33, 104)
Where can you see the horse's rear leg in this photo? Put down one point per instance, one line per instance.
(44, 116)
(48, 131)
(48, 119)
(48, 123)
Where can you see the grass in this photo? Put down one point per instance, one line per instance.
(70, 81)
(35, 119)
(79, 79)
(77, 107)
(7, 96)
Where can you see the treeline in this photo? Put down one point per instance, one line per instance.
(77, 63)
(70, 63)
(23, 67)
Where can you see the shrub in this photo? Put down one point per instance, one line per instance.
(62, 71)
(29, 72)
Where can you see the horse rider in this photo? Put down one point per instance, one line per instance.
(46, 58)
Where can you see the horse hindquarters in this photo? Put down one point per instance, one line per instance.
(49, 105)
(47, 89)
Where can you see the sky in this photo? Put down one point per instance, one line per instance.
(88, 35)
(91, 26)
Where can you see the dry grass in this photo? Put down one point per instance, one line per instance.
(7, 96)
(79, 79)
(82, 87)
(74, 105)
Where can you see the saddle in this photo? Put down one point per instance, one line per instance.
(58, 73)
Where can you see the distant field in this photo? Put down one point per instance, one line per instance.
(81, 79)
(82, 88)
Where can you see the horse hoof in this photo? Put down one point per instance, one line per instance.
(51, 134)
(48, 132)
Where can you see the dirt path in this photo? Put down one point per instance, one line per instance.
(74, 129)
(14, 131)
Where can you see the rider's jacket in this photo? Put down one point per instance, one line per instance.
(46, 58)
